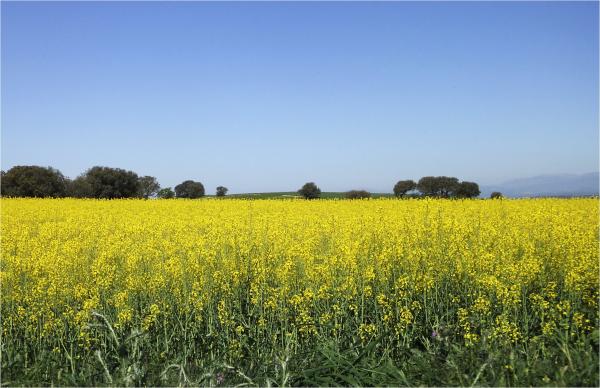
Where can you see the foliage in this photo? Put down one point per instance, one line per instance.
(107, 182)
(33, 181)
(438, 186)
(310, 191)
(357, 194)
(310, 293)
(189, 189)
(148, 186)
(79, 188)
(467, 190)
(496, 195)
(403, 187)
(222, 191)
(165, 193)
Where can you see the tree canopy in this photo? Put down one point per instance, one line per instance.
(108, 182)
(33, 181)
(189, 189)
(148, 186)
(403, 187)
(222, 191)
(467, 190)
(310, 191)
(438, 186)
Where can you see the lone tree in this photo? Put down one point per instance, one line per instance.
(403, 187)
(222, 191)
(33, 181)
(165, 193)
(148, 186)
(107, 182)
(467, 190)
(189, 189)
(357, 194)
(496, 195)
(310, 191)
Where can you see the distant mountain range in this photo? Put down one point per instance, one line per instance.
(563, 185)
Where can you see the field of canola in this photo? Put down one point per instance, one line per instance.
(294, 292)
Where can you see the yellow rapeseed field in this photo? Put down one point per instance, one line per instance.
(206, 291)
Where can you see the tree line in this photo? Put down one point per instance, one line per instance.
(109, 183)
(97, 182)
(429, 186)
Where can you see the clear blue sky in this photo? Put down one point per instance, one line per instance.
(267, 96)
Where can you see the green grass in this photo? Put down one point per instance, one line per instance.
(293, 194)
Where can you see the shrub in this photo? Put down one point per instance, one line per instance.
(166, 193)
(357, 194)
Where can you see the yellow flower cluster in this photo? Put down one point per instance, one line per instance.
(233, 272)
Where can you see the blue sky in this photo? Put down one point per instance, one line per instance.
(266, 96)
